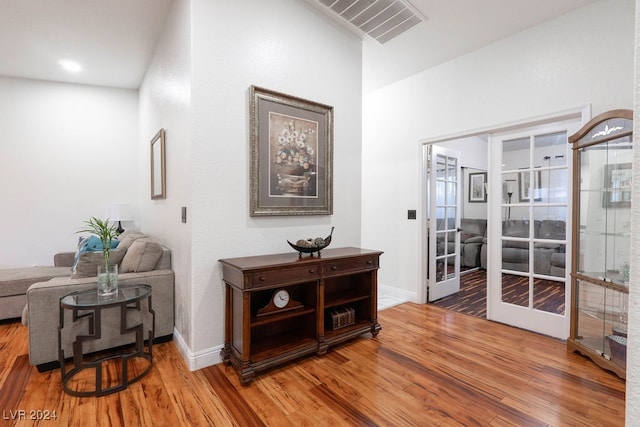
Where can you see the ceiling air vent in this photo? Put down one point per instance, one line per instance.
(380, 19)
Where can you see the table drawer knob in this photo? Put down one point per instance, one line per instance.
(312, 271)
(334, 267)
(262, 278)
(369, 262)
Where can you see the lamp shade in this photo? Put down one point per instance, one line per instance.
(509, 187)
(121, 212)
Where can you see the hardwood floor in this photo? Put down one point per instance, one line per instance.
(472, 298)
(427, 367)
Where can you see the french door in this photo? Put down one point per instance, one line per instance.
(443, 202)
(529, 223)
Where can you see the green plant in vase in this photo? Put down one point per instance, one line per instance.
(107, 274)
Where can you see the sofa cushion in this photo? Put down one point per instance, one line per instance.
(472, 227)
(16, 281)
(474, 239)
(518, 228)
(142, 255)
(558, 259)
(87, 265)
(552, 230)
(515, 255)
(128, 237)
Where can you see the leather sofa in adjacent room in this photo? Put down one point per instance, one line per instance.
(549, 257)
(472, 234)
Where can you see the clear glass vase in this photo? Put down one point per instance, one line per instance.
(107, 280)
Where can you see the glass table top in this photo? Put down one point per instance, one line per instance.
(90, 298)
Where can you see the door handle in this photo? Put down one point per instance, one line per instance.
(458, 229)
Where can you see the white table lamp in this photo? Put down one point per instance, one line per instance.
(120, 212)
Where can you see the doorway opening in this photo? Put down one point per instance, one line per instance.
(456, 208)
(523, 292)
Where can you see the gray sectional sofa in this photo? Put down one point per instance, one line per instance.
(472, 235)
(549, 258)
(14, 283)
(144, 262)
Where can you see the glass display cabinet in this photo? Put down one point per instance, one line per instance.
(603, 155)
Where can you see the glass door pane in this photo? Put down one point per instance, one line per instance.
(534, 217)
(444, 260)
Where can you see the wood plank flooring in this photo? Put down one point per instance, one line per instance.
(549, 295)
(427, 367)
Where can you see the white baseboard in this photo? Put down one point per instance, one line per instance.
(389, 296)
(200, 359)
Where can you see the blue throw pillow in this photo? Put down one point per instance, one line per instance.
(90, 244)
(94, 244)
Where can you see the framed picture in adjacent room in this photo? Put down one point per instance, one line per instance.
(524, 185)
(291, 155)
(617, 185)
(478, 187)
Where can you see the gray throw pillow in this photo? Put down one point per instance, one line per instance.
(142, 255)
(87, 265)
(128, 237)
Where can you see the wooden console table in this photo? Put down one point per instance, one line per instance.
(281, 307)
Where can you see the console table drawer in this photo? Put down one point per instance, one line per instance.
(278, 277)
(339, 267)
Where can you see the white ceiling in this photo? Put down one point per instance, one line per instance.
(453, 28)
(114, 39)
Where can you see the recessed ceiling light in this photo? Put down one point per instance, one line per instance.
(69, 65)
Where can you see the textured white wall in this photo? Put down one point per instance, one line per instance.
(633, 350)
(68, 152)
(165, 100)
(285, 46)
(473, 157)
(552, 67)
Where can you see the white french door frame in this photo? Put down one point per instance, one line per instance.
(443, 200)
(526, 317)
(583, 112)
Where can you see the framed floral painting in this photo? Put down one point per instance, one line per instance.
(291, 155)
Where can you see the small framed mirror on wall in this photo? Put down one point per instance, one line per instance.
(158, 176)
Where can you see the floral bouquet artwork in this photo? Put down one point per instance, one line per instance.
(293, 144)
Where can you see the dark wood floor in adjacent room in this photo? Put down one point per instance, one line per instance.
(427, 367)
(548, 295)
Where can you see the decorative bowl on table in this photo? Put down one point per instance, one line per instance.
(309, 246)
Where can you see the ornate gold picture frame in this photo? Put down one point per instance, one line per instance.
(291, 155)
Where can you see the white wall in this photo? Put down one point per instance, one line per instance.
(552, 67)
(68, 152)
(285, 46)
(473, 159)
(165, 101)
(632, 410)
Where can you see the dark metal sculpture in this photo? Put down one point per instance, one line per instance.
(311, 245)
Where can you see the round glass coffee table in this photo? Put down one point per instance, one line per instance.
(117, 367)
